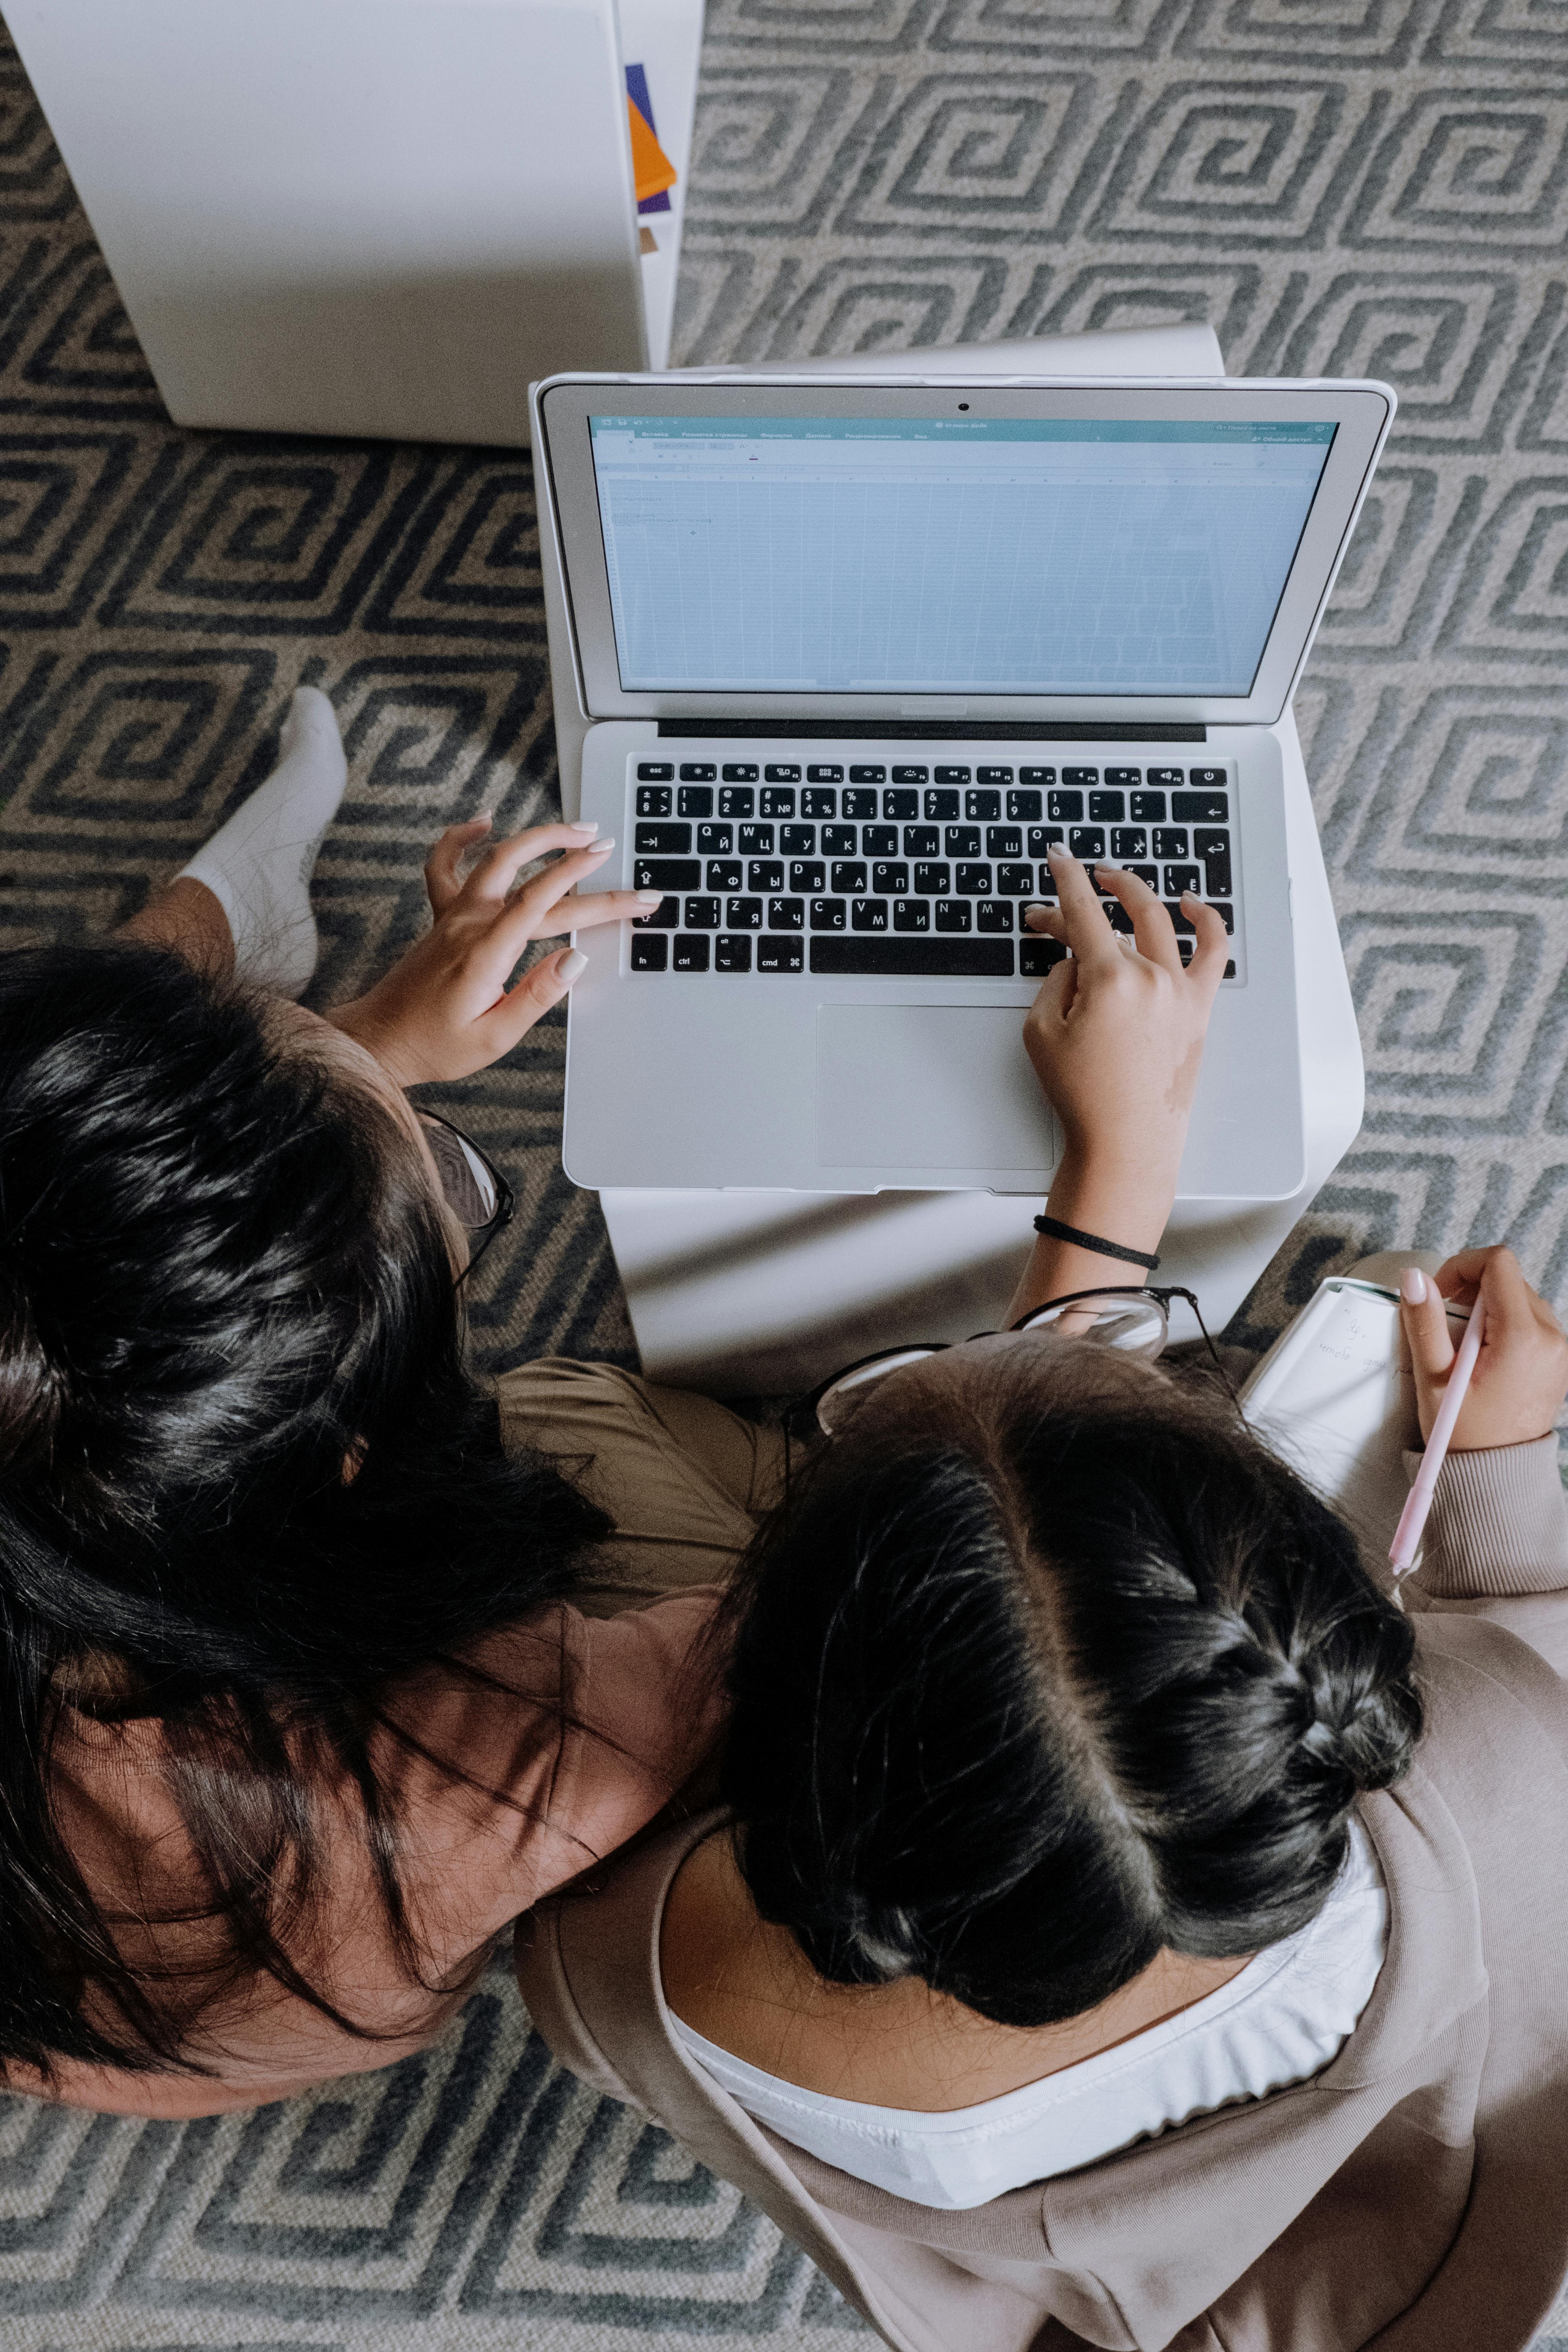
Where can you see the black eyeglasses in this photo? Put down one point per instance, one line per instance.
(1134, 1321)
(472, 1186)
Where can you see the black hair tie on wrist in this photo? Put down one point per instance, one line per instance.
(1056, 1231)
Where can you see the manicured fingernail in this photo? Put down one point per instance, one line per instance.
(1412, 1286)
(1193, 896)
(1055, 849)
(651, 898)
(598, 848)
(572, 966)
(582, 824)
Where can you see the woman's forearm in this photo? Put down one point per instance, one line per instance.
(1113, 1197)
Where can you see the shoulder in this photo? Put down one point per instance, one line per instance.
(1496, 1737)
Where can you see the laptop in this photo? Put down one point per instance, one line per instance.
(854, 655)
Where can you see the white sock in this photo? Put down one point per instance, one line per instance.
(259, 866)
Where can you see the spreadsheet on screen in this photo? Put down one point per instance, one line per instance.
(869, 555)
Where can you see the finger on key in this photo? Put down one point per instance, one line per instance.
(1211, 952)
(1082, 918)
(1153, 933)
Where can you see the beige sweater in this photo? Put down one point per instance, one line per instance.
(1413, 2194)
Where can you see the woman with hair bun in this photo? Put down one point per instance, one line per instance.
(1127, 1922)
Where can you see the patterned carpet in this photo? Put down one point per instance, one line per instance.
(1343, 186)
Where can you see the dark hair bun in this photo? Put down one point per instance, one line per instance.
(1029, 1688)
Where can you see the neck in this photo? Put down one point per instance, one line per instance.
(747, 1985)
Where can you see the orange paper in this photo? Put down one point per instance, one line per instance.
(652, 167)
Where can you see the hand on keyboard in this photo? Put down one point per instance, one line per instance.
(445, 1009)
(1116, 1033)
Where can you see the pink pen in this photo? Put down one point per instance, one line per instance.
(1413, 1518)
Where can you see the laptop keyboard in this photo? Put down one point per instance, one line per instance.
(894, 871)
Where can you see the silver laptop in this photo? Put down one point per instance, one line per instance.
(854, 656)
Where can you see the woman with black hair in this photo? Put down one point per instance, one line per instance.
(302, 1701)
(1126, 1923)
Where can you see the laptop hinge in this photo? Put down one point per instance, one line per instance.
(930, 730)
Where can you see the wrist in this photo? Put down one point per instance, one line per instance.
(1130, 1205)
(359, 1020)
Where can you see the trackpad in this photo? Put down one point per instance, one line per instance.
(930, 1085)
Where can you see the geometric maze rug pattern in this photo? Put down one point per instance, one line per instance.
(1343, 187)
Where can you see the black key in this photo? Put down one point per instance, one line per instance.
(655, 771)
(1037, 957)
(1087, 841)
(880, 840)
(1163, 776)
(1208, 776)
(1229, 971)
(922, 841)
(1065, 808)
(691, 955)
(826, 915)
(1169, 841)
(825, 776)
(994, 915)
(985, 807)
(698, 771)
(797, 840)
(1150, 873)
(654, 800)
(736, 800)
(786, 914)
(755, 841)
(715, 840)
(901, 804)
(894, 959)
(912, 915)
(1149, 808)
(723, 873)
(893, 880)
(1201, 808)
(662, 840)
(1129, 841)
(694, 800)
(869, 915)
(1043, 837)
(666, 874)
(703, 914)
(910, 775)
(1080, 777)
(1094, 883)
(839, 840)
(739, 771)
(1124, 776)
(650, 955)
(665, 917)
(1226, 914)
(933, 881)
(1015, 881)
(1003, 840)
(819, 803)
(849, 874)
(1026, 806)
(1037, 775)
(783, 772)
(781, 955)
(962, 841)
(867, 775)
(1214, 848)
(733, 955)
(952, 776)
(861, 802)
(765, 873)
(1120, 920)
(1106, 808)
(952, 915)
(992, 775)
(1187, 949)
(974, 881)
(743, 914)
(807, 874)
(774, 803)
(943, 805)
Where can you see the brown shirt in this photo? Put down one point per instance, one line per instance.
(614, 1714)
(1413, 2193)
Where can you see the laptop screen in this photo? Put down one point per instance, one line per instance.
(756, 554)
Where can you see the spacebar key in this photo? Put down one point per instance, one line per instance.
(928, 959)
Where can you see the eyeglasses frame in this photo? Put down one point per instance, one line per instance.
(506, 1198)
